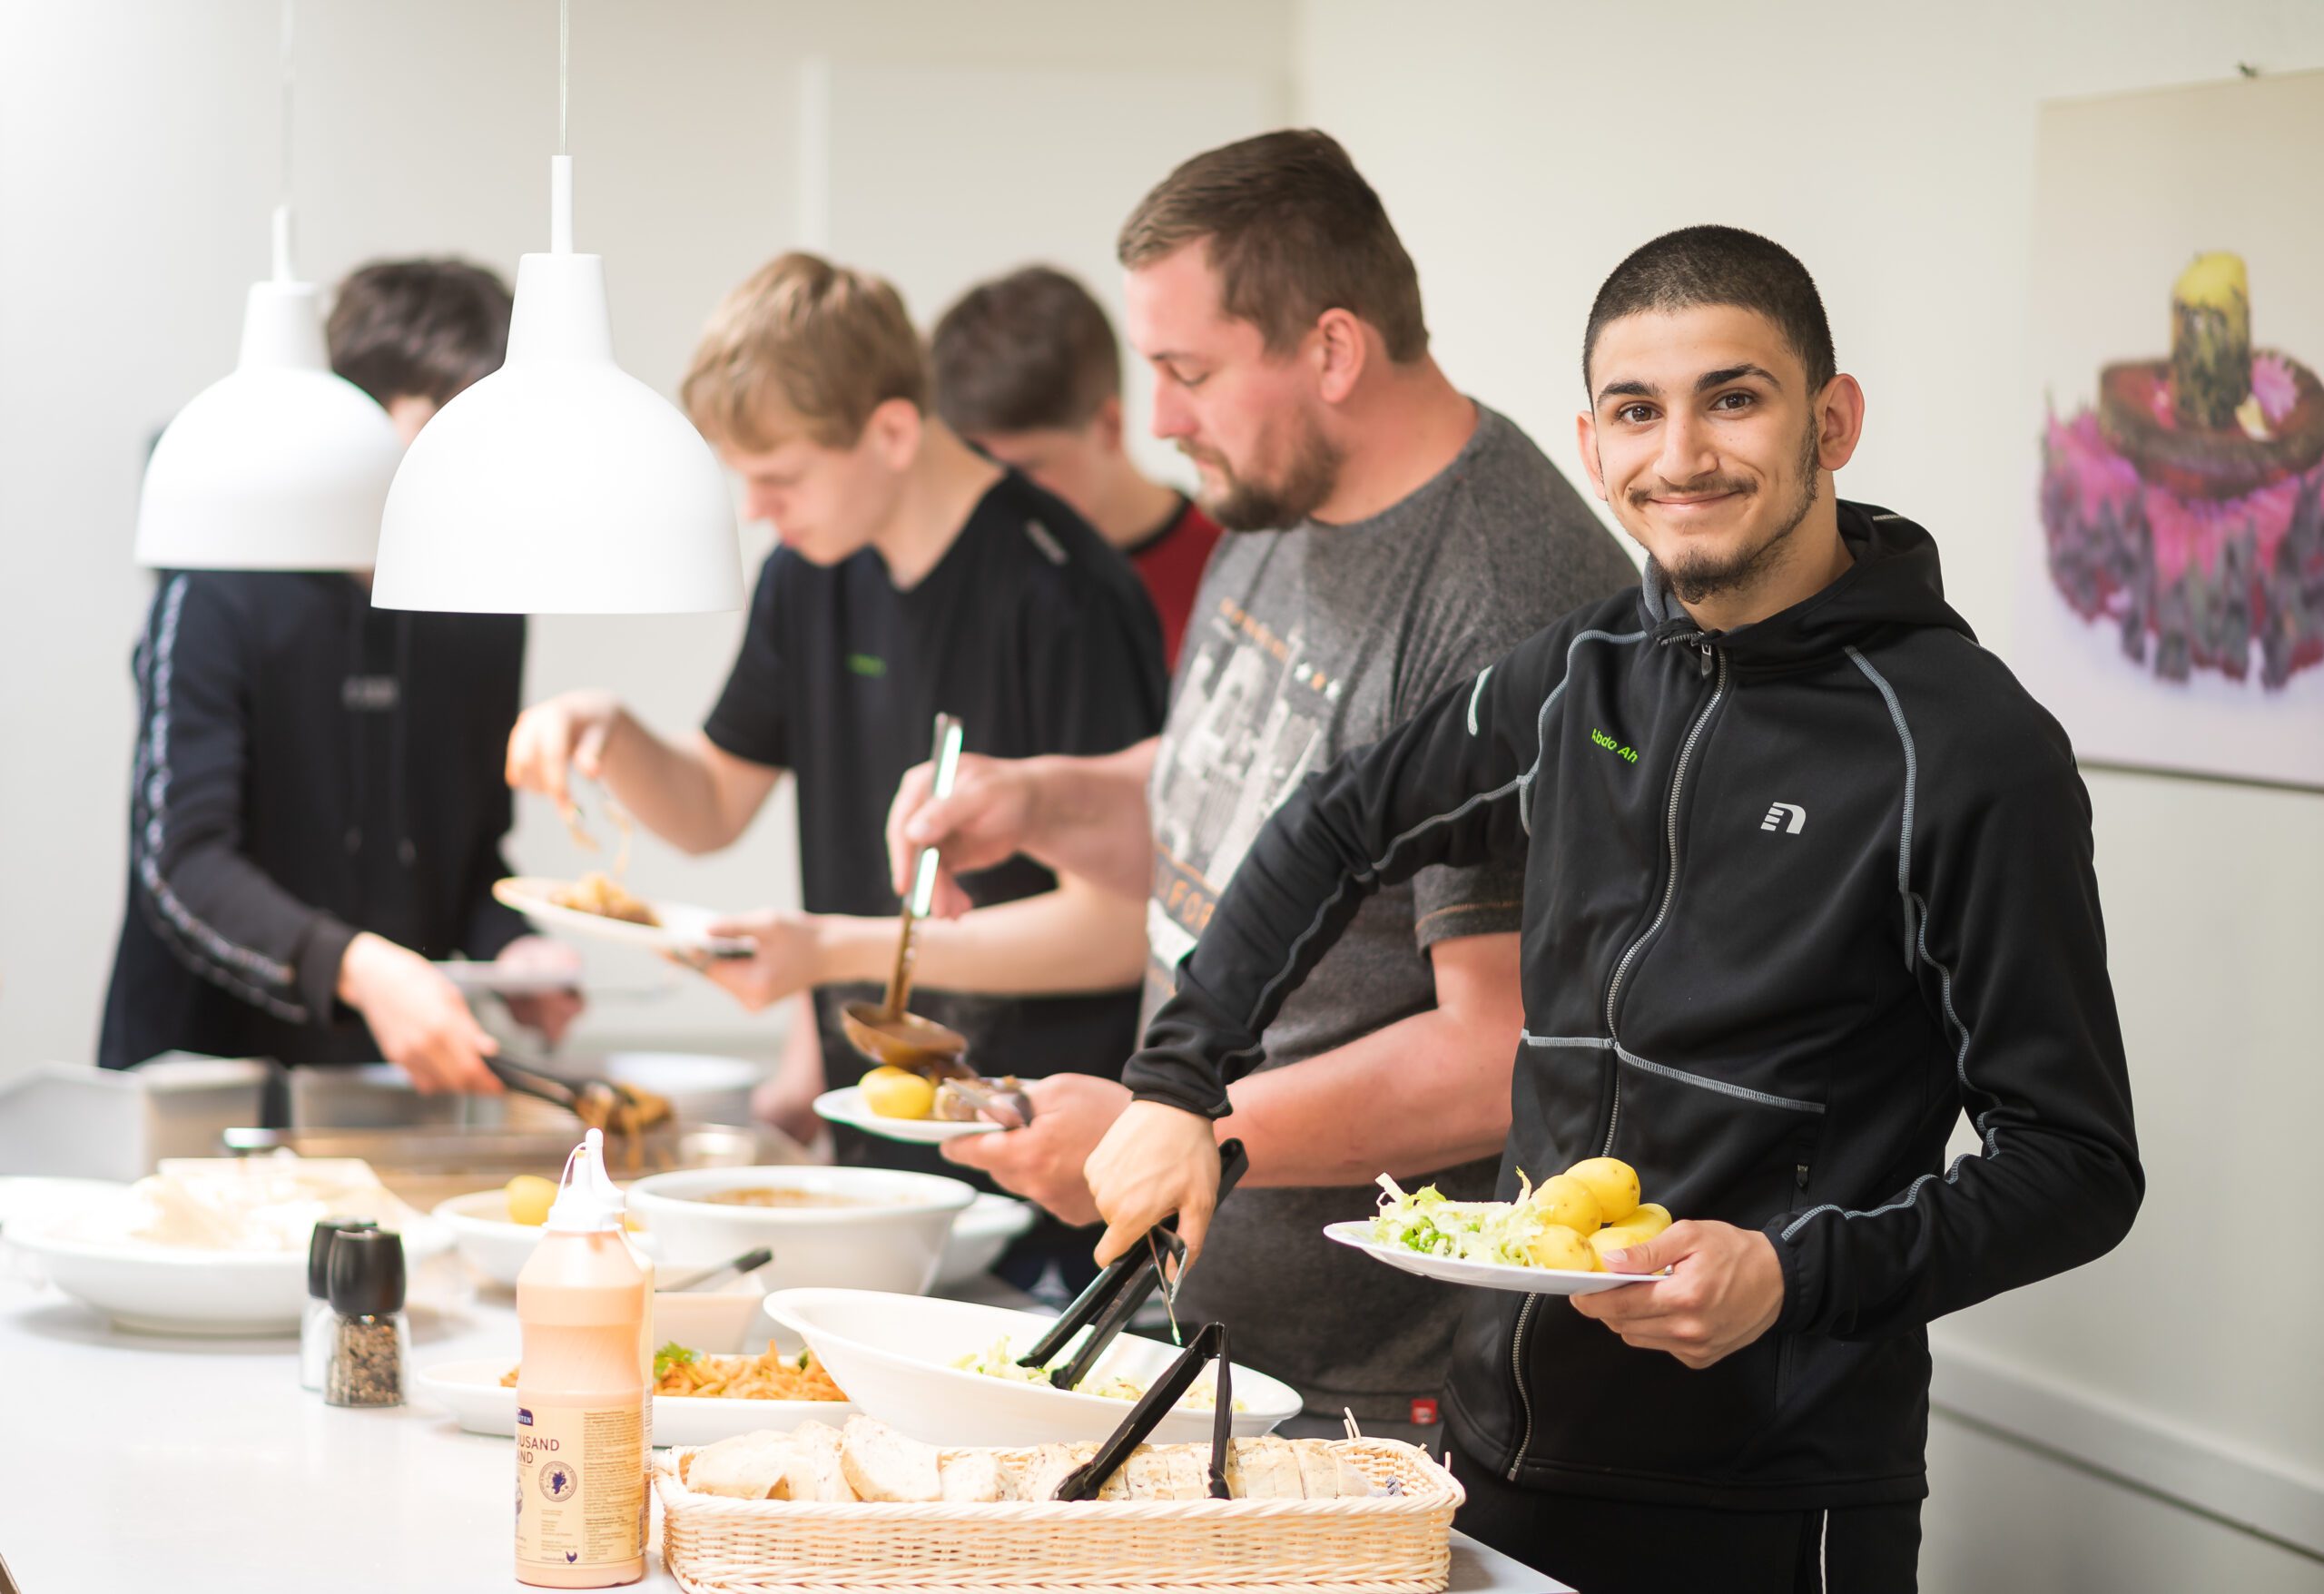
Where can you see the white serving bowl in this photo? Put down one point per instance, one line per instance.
(479, 1402)
(494, 1245)
(893, 1240)
(979, 1234)
(164, 1289)
(892, 1354)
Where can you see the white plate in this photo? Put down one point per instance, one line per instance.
(979, 1235)
(845, 1106)
(893, 1355)
(164, 1289)
(473, 1393)
(29, 1200)
(683, 928)
(1488, 1275)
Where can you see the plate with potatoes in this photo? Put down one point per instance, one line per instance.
(1552, 1240)
(898, 1104)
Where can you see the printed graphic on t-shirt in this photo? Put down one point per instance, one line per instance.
(1253, 717)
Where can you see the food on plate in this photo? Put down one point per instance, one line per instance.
(1558, 1224)
(599, 893)
(776, 1196)
(873, 1463)
(530, 1198)
(253, 1204)
(1565, 1200)
(775, 1376)
(952, 1107)
(898, 1093)
(1613, 1183)
(998, 1361)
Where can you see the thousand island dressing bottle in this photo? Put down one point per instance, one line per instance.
(583, 1403)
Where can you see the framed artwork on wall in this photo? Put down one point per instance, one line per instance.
(2171, 608)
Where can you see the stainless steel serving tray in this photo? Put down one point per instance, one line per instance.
(425, 1163)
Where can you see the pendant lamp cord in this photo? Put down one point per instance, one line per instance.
(282, 204)
(563, 67)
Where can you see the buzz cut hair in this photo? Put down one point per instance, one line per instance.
(1712, 265)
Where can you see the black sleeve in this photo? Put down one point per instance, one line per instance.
(1097, 682)
(1450, 786)
(2011, 960)
(218, 912)
(748, 721)
(491, 925)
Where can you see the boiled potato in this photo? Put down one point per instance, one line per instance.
(530, 1198)
(1561, 1247)
(899, 1093)
(1564, 1199)
(1613, 1181)
(1636, 1229)
(1647, 1221)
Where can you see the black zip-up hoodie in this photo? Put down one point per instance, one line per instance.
(306, 767)
(1798, 897)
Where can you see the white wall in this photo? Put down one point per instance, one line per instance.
(1522, 148)
(138, 159)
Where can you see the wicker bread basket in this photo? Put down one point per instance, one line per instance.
(1385, 1544)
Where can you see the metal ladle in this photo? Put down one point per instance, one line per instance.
(883, 1031)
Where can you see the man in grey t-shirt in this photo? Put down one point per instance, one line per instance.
(1428, 536)
(1302, 644)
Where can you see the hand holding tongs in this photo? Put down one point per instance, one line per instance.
(1115, 1296)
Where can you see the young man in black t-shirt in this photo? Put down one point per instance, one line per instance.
(913, 576)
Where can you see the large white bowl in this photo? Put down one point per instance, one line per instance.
(892, 1354)
(164, 1289)
(892, 1241)
(979, 1234)
(494, 1244)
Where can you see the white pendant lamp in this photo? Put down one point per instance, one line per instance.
(279, 465)
(559, 484)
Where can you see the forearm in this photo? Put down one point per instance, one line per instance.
(673, 790)
(1421, 1093)
(1078, 938)
(1089, 819)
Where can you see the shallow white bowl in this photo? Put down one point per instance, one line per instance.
(163, 1289)
(473, 1393)
(979, 1234)
(891, 1354)
(892, 1241)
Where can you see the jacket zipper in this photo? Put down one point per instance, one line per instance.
(1613, 988)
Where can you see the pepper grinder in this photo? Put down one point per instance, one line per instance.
(315, 1326)
(371, 1339)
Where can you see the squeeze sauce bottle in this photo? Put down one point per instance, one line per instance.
(583, 1404)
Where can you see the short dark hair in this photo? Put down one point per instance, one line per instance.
(1719, 265)
(1293, 230)
(1031, 351)
(420, 328)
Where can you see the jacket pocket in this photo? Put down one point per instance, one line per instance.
(1712, 1149)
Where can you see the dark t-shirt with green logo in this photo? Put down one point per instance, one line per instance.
(1038, 635)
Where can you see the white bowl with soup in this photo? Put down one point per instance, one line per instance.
(838, 1226)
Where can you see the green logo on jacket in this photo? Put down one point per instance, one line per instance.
(865, 663)
(1627, 755)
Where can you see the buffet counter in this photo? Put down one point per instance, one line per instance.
(130, 1462)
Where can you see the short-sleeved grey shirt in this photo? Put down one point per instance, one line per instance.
(1302, 644)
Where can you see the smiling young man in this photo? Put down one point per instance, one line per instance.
(913, 575)
(1841, 897)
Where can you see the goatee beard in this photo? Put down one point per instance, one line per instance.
(1701, 576)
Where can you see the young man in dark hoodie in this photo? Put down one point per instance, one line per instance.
(317, 807)
(1807, 878)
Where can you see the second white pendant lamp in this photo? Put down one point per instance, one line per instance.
(560, 484)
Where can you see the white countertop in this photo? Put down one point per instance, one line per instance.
(135, 1462)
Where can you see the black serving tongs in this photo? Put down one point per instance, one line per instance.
(1114, 1296)
(1084, 1481)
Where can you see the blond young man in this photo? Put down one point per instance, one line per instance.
(912, 577)
(1027, 368)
